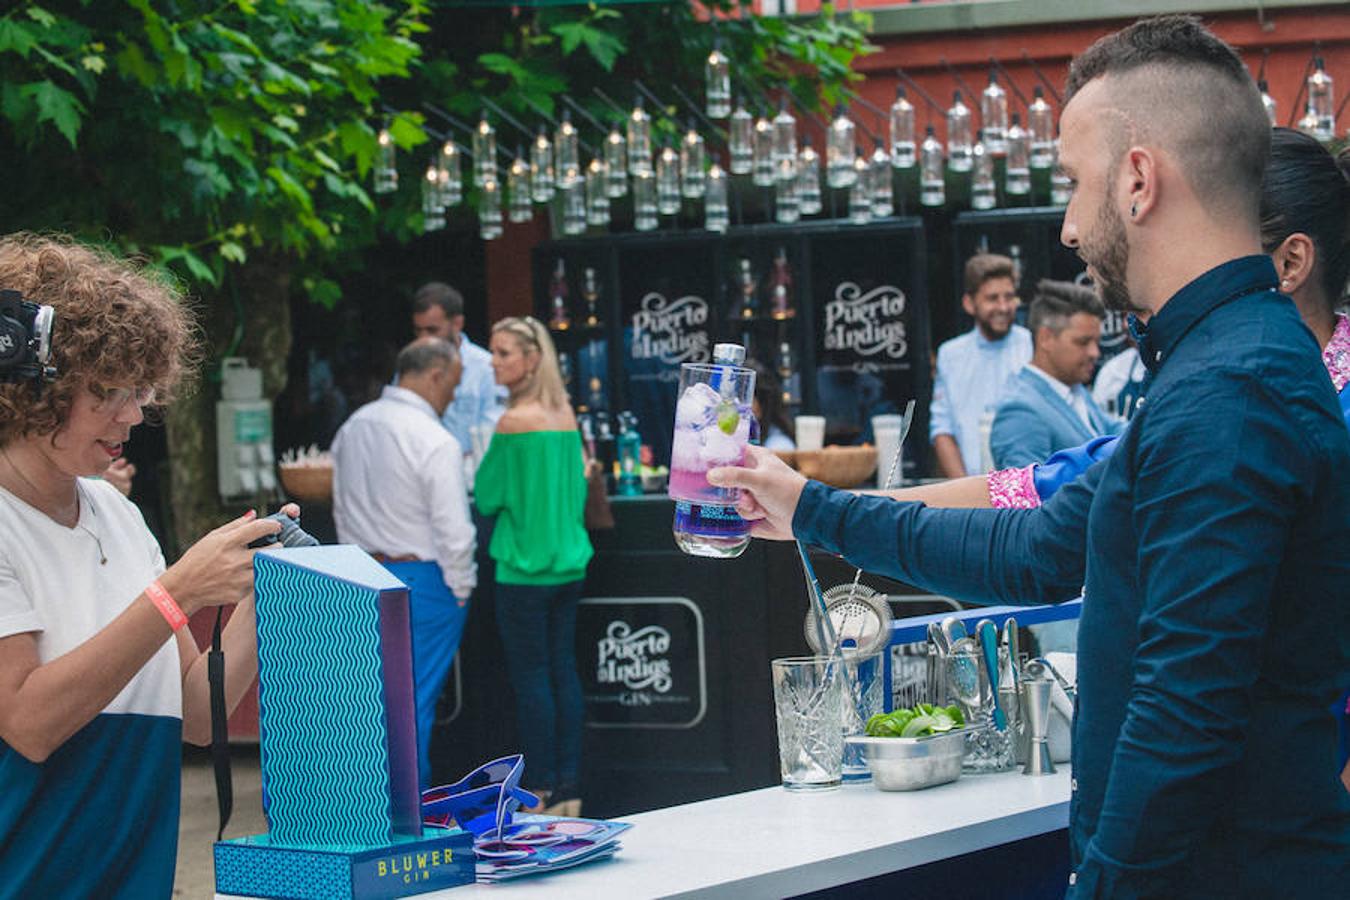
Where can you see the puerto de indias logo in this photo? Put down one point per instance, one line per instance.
(634, 659)
(868, 323)
(673, 331)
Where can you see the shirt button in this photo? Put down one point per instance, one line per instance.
(1073, 784)
(1073, 878)
(1157, 356)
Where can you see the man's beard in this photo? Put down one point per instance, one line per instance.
(1108, 253)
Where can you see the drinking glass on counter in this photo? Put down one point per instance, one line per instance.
(810, 432)
(810, 704)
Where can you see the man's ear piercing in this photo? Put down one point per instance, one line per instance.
(1134, 210)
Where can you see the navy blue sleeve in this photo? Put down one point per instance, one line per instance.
(1016, 556)
(1218, 474)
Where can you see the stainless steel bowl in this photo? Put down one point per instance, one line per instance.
(910, 764)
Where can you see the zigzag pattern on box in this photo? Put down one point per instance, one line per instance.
(321, 708)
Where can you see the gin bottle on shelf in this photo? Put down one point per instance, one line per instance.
(788, 377)
(1019, 159)
(781, 304)
(717, 82)
(762, 162)
(1041, 127)
(541, 167)
(668, 181)
(932, 188)
(558, 319)
(839, 150)
(616, 163)
(693, 182)
(1321, 102)
(808, 179)
(879, 181)
(982, 189)
(590, 292)
(745, 295)
(994, 116)
(741, 139)
(716, 214)
(904, 151)
(639, 139)
(959, 135)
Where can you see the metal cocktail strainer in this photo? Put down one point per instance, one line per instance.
(861, 618)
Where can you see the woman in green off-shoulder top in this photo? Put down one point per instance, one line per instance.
(533, 479)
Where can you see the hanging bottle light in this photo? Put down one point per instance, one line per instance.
(784, 135)
(1041, 126)
(692, 158)
(644, 200)
(1308, 124)
(762, 164)
(616, 163)
(1267, 101)
(716, 214)
(982, 175)
(668, 181)
(1061, 189)
(567, 152)
(1321, 102)
(808, 179)
(433, 210)
(489, 209)
(386, 163)
(574, 206)
(994, 116)
(717, 74)
(839, 150)
(518, 189)
(958, 135)
(597, 193)
(484, 152)
(932, 188)
(541, 167)
(448, 174)
(879, 180)
(741, 139)
(904, 150)
(860, 191)
(639, 139)
(787, 205)
(1019, 159)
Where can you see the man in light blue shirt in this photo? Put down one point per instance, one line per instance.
(438, 311)
(974, 370)
(1047, 408)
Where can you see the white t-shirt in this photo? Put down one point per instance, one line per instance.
(52, 582)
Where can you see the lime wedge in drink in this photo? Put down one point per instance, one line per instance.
(727, 417)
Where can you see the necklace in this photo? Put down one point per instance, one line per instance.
(93, 512)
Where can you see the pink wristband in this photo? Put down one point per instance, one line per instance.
(168, 607)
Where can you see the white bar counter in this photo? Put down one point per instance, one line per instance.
(772, 843)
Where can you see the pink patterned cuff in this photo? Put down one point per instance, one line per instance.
(1336, 356)
(1013, 489)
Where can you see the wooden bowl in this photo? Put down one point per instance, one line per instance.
(308, 484)
(841, 467)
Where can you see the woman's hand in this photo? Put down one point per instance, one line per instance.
(218, 569)
(770, 490)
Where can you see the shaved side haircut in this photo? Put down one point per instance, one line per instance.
(1179, 87)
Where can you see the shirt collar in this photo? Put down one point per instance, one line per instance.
(1225, 282)
(984, 342)
(1065, 391)
(403, 395)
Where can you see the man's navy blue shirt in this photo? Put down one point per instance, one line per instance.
(1214, 546)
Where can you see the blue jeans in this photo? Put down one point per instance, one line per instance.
(538, 625)
(437, 625)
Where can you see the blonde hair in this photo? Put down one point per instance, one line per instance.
(545, 385)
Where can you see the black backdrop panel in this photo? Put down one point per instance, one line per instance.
(870, 332)
(1031, 237)
(667, 310)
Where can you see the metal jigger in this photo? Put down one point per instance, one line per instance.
(1035, 709)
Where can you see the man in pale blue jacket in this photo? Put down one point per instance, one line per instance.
(1048, 408)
